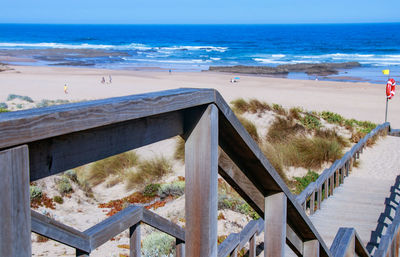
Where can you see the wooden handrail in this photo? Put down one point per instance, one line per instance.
(236, 241)
(390, 242)
(347, 243)
(102, 232)
(339, 166)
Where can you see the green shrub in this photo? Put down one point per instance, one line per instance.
(58, 199)
(310, 121)
(151, 190)
(25, 98)
(250, 127)
(333, 118)
(71, 174)
(158, 244)
(294, 113)
(35, 192)
(116, 164)
(149, 170)
(3, 110)
(303, 182)
(176, 189)
(46, 102)
(278, 109)
(64, 186)
(179, 153)
(3, 106)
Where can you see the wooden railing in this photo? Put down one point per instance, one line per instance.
(88, 240)
(348, 243)
(332, 177)
(236, 241)
(41, 142)
(390, 242)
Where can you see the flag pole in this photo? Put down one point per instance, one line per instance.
(387, 100)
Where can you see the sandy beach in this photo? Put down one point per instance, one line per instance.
(363, 101)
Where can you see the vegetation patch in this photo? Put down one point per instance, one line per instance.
(158, 244)
(174, 189)
(114, 165)
(179, 153)
(149, 170)
(250, 127)
(58, 199)
(310, 121)
(39, 198)
(303, 182)
(11, 97)
(63, 185)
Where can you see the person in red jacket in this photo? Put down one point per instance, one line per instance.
(390, 88)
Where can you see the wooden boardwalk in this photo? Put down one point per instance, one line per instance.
(361, 199)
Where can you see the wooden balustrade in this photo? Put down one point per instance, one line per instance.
(236, 241)
(335, 175)
(63, 137)
(347, 243)
(390, 242)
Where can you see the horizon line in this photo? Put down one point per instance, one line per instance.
(199, 24)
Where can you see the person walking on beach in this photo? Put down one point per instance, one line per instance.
(103, 80)
(110, 79)
(65, 89)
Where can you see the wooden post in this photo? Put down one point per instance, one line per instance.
(397, 244)
(311, 248)
(347, 168)
(80, 253)
(134, 241)
(319, 197)
(312, 203)
(326, 189)
(275, 225)
(15, 211)
(331, 187)
(180, 248)
(342, 174)
(235, 252)
(201, 169)
(252, 246)
(337, 178)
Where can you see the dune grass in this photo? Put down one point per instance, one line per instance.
(282, 129)
(101, 170)
(250, 127)
(179, 153)
(240, 106)
(148, 171)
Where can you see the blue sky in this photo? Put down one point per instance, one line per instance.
(199, 12)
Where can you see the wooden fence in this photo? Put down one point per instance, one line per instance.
(41, 142)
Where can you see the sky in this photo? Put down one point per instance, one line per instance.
(199, 12)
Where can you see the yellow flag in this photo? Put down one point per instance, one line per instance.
(386, 72)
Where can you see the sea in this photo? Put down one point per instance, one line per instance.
(196, 47)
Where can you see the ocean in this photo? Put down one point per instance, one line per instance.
(196, 47)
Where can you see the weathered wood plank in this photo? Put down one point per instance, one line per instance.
(275, 225)
(112, 226)
(235, 177)
(15, 220)
(59, 232)
(294, 241)
(180, 248)
(252, 247)
(228, 245)
(344, 243)
(40, 123)
(134, 241)
(156, 221)
(201, 191)
(311, 248)
(57, 154)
